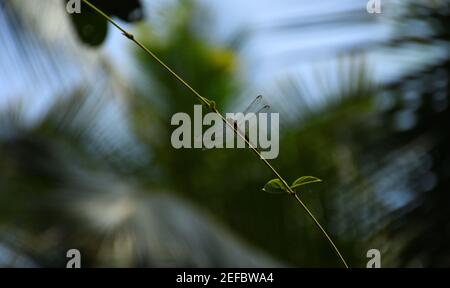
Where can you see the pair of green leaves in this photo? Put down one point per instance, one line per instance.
(276, 186)
(92, 28)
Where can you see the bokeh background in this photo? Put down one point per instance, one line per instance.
(85, 154)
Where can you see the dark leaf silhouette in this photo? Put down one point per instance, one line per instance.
(92, 28)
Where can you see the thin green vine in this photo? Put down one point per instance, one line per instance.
(212, 106)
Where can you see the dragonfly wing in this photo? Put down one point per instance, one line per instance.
(258, 105)
(255, 105)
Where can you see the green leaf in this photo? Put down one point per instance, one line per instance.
(305, 180)
(274, 186)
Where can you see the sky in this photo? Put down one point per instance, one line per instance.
(270, 53)
(281, 43)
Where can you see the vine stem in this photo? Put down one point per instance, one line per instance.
(211, 105)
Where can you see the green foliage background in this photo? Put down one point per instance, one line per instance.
(64, 183)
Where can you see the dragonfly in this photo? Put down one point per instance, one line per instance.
(257, 106)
